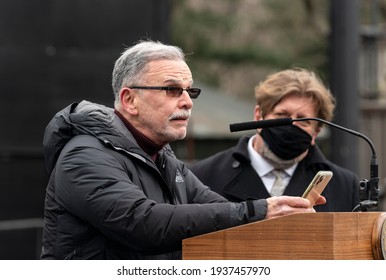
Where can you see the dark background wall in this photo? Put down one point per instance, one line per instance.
(52, 53)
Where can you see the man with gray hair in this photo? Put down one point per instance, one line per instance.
(116, 190)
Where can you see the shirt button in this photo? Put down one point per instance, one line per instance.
(235, 164)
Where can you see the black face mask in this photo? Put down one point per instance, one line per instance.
(286, 142)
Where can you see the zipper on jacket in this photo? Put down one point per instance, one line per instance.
(143, 159)
(71, 255)
(124, 150)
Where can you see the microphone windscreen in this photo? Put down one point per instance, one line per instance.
(259, 124)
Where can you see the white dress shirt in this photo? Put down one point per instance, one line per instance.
(263, 168)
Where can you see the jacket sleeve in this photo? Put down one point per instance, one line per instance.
(93, 185)
(253, 210)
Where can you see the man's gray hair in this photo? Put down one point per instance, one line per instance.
(131, 65)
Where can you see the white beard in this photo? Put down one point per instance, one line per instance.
(273, 159)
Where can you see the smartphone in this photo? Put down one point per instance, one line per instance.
(317, 185)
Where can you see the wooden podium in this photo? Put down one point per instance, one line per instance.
(308, 236)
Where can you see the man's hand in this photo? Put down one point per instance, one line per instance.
(284, 205)
(320, 200)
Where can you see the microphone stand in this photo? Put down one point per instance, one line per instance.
(368, 189)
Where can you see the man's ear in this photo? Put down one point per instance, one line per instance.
(128, 101)
(257, 114)
(315, 134)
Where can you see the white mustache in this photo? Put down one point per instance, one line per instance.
(181, 115)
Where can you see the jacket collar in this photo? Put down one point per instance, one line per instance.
(240, 152)
(144, 142)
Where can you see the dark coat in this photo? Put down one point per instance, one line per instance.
(230, 174)
(107, 199)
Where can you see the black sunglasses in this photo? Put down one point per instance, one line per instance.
(173, 91)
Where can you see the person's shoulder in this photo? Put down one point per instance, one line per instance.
(221, 158)
(221, 155)
(317, 158)
(342, 171)
(82, 144)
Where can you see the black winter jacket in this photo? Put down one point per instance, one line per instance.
(231, 174)
(107, 199)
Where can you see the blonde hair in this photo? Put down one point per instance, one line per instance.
(300, 82)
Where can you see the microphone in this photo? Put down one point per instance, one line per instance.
(368, 189)
(259, 124)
